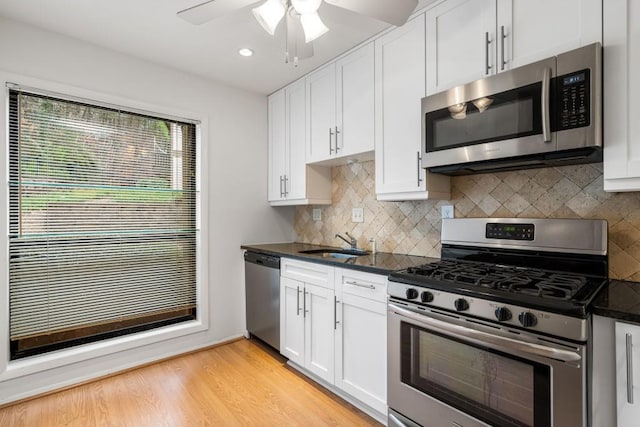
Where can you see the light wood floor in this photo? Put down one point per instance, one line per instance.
(237, 384)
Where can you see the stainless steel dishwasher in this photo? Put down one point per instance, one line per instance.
(262, 289)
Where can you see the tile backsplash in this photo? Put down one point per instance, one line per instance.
(413, 227)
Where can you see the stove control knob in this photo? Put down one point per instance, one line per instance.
(426, 296)
(412, 293)
(527, 319)
(502, 314)
(461, 304)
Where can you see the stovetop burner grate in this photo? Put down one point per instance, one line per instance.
(526, 281)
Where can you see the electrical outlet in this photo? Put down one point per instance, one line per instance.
(317, 214)
(357, 215)
(446, 211)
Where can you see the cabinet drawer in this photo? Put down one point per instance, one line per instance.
(307, 272)
(366, 285)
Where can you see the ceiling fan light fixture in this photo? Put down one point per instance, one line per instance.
(313, 26)
(304, 7)
(269, 15)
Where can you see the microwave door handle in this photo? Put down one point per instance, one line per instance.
(546, 125)
(484, 338)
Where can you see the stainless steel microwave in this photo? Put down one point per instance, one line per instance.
(542, 114)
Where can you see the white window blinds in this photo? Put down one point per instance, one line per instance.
(103, 230)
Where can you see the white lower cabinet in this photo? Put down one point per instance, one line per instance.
(628, 374)
(306, 316)
(333, 324)
(361, 337)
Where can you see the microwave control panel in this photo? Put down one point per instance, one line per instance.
(573, 99)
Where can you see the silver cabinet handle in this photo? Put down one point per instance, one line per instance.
(335, 312)
(286, 192)
(360, 285)
(546, 125)
(502, 37)
(419, 168)
(298, 301)
(330, 141)
(629, 369)
(337, 133)
(281, 192)
(304, 303)
(487, 42)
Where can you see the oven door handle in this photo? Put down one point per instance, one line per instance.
(486, 339)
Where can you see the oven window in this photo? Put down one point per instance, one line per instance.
(512, 114)
(494, 387)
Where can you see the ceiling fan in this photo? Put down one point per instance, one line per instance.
(303, 24)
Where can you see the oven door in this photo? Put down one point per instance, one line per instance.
(447, 370)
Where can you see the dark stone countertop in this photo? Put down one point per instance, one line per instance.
(618, 300)
(380, 263)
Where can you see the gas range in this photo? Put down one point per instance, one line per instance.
(537, 274)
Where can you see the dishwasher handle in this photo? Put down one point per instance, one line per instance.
(262, 259)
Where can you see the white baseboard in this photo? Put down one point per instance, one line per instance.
(381, 418)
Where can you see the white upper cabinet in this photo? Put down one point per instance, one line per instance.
(621, 56)
(321, 113)
(277, 145)
(291, 181)
(340, 108)
(296, 134)
(399, 88)
(529, 31)
(355, 102)
(460, 43)
(472, 39)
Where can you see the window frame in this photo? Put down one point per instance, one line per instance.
(10, 369)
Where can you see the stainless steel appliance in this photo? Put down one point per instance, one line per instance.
(497, 332)
(262, 293)
(541, 114)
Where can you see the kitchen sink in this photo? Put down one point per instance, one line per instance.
(336, 253)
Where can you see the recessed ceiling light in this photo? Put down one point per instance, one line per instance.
(245, 52)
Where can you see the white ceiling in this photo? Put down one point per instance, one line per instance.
(150, 29)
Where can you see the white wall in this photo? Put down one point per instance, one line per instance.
(235, 144)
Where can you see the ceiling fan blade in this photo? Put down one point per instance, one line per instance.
(212, 9)
(296, 46)
(394, 12)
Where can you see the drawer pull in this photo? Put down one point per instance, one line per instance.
(361, 285)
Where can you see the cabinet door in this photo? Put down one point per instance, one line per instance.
(355, 102)
(540, 29)
(277, 145)
(400, 87)
(321, 113)
(319, 328)
(292, 320)
(361, 350)
(457, 48)
(296, 136)
(621, 57)
(628, 374)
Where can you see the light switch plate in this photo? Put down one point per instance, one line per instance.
(357, 215)
(446, 211)
(317, 214)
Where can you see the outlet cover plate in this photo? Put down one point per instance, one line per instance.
(357, 215)
(446, 211)
(317, 214)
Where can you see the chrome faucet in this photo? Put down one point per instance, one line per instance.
(352, 242)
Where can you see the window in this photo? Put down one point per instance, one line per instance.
(103, 207)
